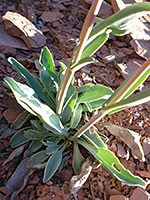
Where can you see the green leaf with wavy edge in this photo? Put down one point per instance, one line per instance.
(76, 116)
(36, 135)
(68, 108)
(83, 62)
(94, 139)
(135, 100)
(19, 138)
(33, 82)
(121, 18)
(92, 46)
(118, 31)
(95, 93)
(37, 158)
(27, 99)
(113, 165)
(78, 159)
(52, 165)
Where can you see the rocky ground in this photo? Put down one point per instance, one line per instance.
(57, 24)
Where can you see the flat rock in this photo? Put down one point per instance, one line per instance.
(141, 47)
(143, 174)
(19, 26)
(10, 115)
(146, 145)
(10, 41)
(140, 194)
(51, 16)
(118, 197)
(126, 69)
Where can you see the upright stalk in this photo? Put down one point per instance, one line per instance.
(122, 93)
(91, 122)
(87, 27)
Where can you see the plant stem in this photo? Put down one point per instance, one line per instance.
(63, 88)
(90, 123)
(87, 27)
(130, 83)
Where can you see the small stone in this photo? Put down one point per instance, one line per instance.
(140, 194)
(10, 115)
(34, 180)
(146, 145)
(118, 197)
(121, 152)
(51, 16)
(143, 174)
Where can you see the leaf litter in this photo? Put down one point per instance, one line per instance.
(62, 34)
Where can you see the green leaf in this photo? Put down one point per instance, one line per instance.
(52, 165)
(36, 124)
(47, 61)
(94, 105)
(78, 159)
(62, 72)
(34, 146)
(36, 159)
(135, 100)
(46, 81)
(27, 99)
(68, 107)
(19, 138)
(21, 120)
(33, 82)
(92, 46)
(94, 139)
(70, 91)
(110, 162)
(83, 88)
(76, 116)
(52, 148)
(36, 135)
(47, 72)
(121, 18)
(118, 31)
(83, 62)
(63, 66)
(95, 93)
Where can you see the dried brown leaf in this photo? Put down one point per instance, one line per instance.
(131, 138)
(77, 181)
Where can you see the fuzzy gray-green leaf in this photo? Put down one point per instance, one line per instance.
(52, 165)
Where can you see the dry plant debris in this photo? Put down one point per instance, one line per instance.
(61, 31)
